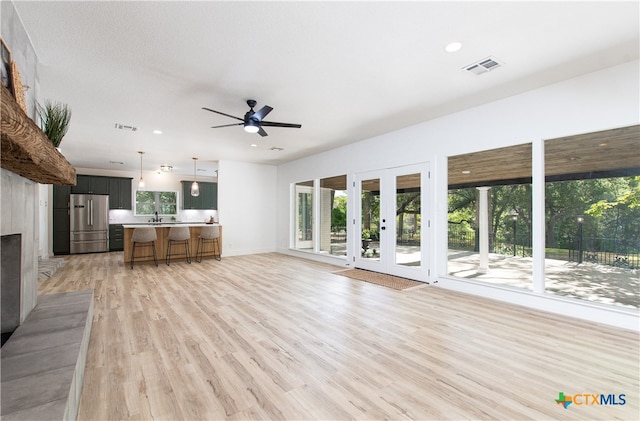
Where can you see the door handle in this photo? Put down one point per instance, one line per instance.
(90, 211)
(383, 228)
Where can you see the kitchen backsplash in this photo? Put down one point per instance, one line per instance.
(120, 216)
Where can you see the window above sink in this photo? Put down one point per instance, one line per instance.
(162, 202)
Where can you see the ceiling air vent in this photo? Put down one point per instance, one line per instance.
(483, 66)
(125, 127)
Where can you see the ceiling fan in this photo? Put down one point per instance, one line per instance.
(253, 120)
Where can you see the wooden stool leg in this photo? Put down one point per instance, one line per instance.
(133, 253)
(216, 246)
(155, 257)
(198, 251)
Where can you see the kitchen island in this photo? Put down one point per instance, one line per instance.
(162, 232)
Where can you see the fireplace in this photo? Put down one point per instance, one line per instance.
(11, 251)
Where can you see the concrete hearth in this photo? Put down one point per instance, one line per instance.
(43, 362)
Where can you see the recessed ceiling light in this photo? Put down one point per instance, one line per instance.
(254, 145)
(157, 132)
(466, 172)
(276, 149)
(452, 47)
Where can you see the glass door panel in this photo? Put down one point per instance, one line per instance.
(408, 220)
(370, 219)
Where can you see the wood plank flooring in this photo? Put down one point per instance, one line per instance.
(275, 337)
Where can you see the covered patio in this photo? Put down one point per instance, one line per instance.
(587, 281)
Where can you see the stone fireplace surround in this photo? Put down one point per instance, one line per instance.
(19, 216)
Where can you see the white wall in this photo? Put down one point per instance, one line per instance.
(596, 101)
(247, 207)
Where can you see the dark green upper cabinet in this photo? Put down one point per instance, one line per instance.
(119, 193)
(208, 198)
(90, 184)
(118, 189)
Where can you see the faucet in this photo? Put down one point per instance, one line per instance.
(156, 219)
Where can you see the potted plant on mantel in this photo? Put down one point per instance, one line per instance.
(54, 121)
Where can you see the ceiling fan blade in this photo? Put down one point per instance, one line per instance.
(262, 133)
(274, 124)
(221, 113)
(262, 112)
(227, 125)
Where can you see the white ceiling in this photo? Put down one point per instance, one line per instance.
(346, 71)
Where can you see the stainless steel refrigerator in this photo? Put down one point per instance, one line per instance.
(89, 223)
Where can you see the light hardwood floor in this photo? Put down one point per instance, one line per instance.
(275, 337)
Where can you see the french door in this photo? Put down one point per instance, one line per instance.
(391, 220)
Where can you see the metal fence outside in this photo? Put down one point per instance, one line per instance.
(604, 251)
(518, 246)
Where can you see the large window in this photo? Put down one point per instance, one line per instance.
(320, 216)
(304, 216)
(333, 215)
(591, 217)
(162, 202)
(489, 217)
(592, 214)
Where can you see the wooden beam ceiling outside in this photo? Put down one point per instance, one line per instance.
(612, 152)
(338, 182)
(512, 162)
(607, 150)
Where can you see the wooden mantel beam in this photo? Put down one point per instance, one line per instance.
(27, 151)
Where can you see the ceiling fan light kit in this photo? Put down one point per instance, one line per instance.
(251, 127)
(253, 120)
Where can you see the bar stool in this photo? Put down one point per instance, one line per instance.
(179, 235)
(209, 234)
(144, 237)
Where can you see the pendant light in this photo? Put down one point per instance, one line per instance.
(195, 189)
(141, 181)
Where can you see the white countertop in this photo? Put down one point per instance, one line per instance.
(167, 225)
